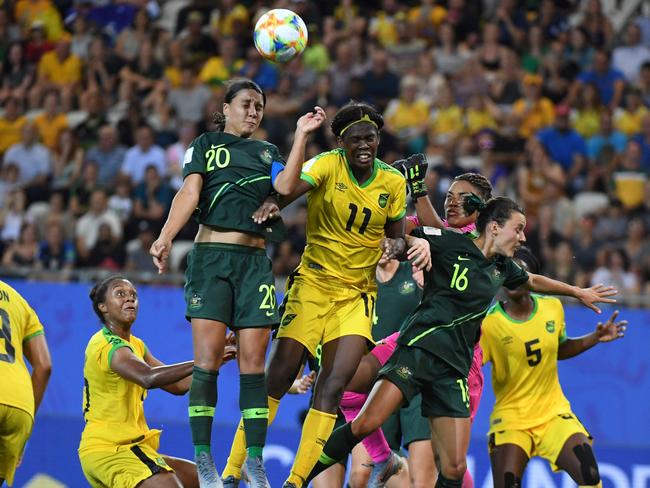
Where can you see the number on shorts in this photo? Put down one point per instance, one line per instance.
(464, 390)
(5, 333)
(534, 355)
(268, 299)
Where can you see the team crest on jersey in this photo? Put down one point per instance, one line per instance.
(506, 340)
(266, 156)
(404, 372)
(406, 287)
(196, 302)
(550, 326)
(286, 320)
(341, 186)
(383, 199)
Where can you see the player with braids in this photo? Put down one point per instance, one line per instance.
(531, 415)
(435, 346)
(229, 283)
(117, 447)
(355, 214)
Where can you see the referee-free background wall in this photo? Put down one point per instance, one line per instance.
(609, 389)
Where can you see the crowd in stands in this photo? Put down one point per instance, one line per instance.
(100, 98)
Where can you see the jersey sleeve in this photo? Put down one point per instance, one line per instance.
(515, 275)
(194, 159)
(116, 343)
(317, 170)
(438, 239)
(485, 339)
(277, 164)
(562, 335)
(34, 327)
(397, 208)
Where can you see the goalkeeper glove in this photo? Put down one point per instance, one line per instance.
(414, 168)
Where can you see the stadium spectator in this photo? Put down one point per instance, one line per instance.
(143, 154)
(138, 257)
(55, 253)
(51, 121)
(58, 70)
(607, 142)
(152, 198)
(189, 98)
(33, 160)
(17, 73)
(67, 160)
(108, 154)
(532, 111)
(11, 123)
(87, 229)
(24, 251)
(629, 58)
(609, 81)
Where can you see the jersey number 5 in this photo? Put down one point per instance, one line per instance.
(5, 333)
(534, 355)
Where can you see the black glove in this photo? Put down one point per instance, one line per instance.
(414, 168)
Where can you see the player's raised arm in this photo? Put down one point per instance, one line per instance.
(607, 332)
(588, 296)
(288, 178)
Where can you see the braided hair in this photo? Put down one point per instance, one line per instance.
(353, 112)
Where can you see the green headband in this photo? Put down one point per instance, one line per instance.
(365, 118)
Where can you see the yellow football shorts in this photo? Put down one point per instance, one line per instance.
(15, 428)
(317, 312)
(545, 440)
(123, 466)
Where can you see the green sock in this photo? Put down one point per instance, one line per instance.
(339, 445)
(447, 483)
(203, 400)
(254, 407)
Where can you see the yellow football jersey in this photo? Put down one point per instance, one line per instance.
(345, 220)
(19, 324)
(112, 406)
(524, 365)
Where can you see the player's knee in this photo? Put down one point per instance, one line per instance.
(330, 392)
(358, 477)
(588, 466)
(455, 469)
(511, 480)
(365, 424)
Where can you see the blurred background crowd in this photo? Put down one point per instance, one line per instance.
(550, 99)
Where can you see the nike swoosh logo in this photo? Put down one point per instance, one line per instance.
(259, 413)
(269, 314)
(201, 410)
(460, 258)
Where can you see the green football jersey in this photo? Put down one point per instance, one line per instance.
(236, 180)
(396, 299)
(458, 292)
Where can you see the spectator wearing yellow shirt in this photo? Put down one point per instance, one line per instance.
(480, 115)
(58, 70)
(11, 124)
(27, 12)
(232, 18)
(174, 62)
(586, 116)
(218, 69)
(406, 116)
(446, 122)
(426, 17)
(533, 111)
(51, 121)
(382, 26)
(628, 119)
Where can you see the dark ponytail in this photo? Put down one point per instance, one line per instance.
(497, 210)
(234, 87)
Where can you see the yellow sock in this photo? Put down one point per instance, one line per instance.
(238, 449)
(599, 485)
(315, 431)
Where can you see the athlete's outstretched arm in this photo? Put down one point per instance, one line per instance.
(132, 368)
(179, 387)
(588, 296)
(182, 208)
(427, 215)
(38, 355)
(286, 181)
(607, 332)
(270, 208)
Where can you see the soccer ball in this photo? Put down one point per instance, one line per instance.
(280, 35)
